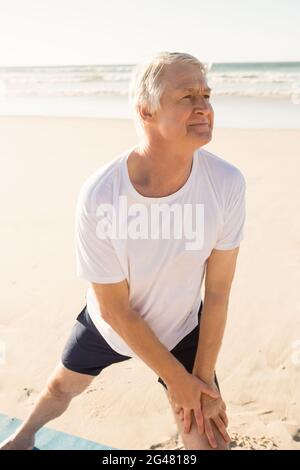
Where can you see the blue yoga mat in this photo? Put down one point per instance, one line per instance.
(49, 439)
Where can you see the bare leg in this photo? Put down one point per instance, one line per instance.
(193, 440)
(61, 387)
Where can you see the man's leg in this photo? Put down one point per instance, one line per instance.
(193, 440)
(62, 385)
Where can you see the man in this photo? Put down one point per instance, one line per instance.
(144, 297)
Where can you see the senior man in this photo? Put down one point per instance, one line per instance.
(150, 225)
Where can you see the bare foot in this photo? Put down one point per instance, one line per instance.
(17, 442)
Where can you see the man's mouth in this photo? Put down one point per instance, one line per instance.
(200, 124)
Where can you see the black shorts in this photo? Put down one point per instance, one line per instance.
(87, 352)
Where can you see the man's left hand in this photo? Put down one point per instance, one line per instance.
(213, 410)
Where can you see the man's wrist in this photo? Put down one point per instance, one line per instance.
(205, 376)
(177, 375)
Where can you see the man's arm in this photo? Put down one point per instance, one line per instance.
(219, 276)
(113, 300)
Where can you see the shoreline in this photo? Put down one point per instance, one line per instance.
(128, 120)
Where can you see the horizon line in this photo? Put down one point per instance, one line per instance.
(133, 64)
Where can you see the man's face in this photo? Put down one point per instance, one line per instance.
(186, 116)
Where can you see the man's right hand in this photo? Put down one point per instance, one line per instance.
(186, 393)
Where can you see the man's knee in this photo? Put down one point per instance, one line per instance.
(59, 390)
(66, 384)
(193, 441)
(201, 442)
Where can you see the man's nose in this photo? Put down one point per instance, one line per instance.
(202, 106)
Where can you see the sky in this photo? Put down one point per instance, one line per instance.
(69, 32)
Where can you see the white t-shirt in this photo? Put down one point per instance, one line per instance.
(164, 274)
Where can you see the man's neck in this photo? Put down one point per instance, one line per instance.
(155, 173)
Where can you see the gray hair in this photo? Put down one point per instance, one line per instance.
(147, 82)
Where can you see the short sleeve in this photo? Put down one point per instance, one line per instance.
(96, 258)
(232, 232)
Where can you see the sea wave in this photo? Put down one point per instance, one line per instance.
(257, 80)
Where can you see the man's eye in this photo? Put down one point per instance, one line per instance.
(190, 96)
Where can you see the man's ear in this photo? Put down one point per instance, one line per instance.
(145, 114)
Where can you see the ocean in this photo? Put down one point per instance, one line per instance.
(255, 95)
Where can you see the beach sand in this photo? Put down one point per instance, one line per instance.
(44, 161)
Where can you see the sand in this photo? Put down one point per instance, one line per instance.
(44, 161)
